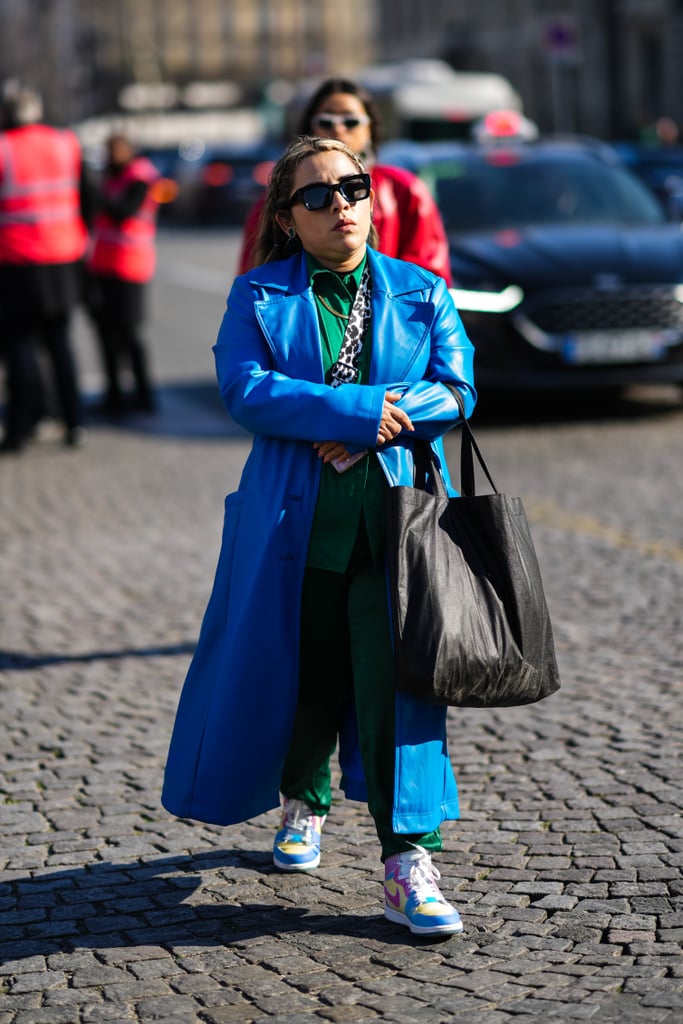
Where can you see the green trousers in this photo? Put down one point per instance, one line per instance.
(346, 656)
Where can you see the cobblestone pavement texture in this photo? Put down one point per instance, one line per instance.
(566, 864)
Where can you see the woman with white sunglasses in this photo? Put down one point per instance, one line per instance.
(407, 221)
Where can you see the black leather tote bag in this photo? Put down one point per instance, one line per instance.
(470, 620)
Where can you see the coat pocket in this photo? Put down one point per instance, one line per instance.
(291, 532)
(231, 519)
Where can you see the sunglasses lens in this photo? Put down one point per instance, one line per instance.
(357, 188)
(317, 197)
(351, 123)
(325, 123)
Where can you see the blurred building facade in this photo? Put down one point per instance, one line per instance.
(602, 67)
(82, 53)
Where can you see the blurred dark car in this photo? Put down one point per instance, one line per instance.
(567, 271)
(207, 184)
(661, 168)
(230, 180)
(178, 166)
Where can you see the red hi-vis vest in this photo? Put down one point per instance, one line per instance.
(126, 250)
(40, 218)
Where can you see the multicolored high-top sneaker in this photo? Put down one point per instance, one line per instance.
(412, 897)
(297, 844)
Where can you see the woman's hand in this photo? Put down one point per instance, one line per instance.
(329, 450)
(393, 420)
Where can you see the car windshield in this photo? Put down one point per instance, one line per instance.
(506, 192)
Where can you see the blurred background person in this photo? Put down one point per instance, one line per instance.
(408, 223)
(43, 238)
(121, 264)
(663, 131)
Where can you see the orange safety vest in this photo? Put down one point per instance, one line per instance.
(126, 250)
(40, 218)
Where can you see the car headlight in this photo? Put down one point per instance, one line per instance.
(488, 301)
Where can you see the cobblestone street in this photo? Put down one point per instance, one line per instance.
(566, 865)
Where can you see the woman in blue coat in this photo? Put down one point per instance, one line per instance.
(335, 357)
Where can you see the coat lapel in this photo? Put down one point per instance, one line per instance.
(400, 322)
(288, 316)
(289, 319)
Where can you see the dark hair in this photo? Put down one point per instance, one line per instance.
(271, 241)
(345, 85)
(20, 104)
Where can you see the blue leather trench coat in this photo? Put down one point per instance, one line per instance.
(236, 709)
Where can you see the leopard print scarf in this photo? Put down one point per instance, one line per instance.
(345, 370)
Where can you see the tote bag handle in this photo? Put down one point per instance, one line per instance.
(424, 458)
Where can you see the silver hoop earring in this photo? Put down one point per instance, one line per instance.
(291, 233)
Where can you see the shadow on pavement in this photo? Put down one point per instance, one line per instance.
(522, 409)
(109, 906)
(189, 410)
(18, 661)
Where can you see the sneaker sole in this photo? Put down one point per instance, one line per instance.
(438, 929)
(308, 865)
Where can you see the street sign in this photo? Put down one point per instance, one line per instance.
(561, 39)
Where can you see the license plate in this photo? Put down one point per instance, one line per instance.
(630, 346)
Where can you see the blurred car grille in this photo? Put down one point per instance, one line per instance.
(589, 310)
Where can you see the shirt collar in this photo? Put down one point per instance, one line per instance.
(327, 279)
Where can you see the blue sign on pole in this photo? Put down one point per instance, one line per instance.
(561, 40)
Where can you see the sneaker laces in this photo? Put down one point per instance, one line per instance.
(298, 817)
(422, 876)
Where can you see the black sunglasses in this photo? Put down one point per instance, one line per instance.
(353, 188)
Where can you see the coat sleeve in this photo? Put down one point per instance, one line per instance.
(266, 401)
(429, 403)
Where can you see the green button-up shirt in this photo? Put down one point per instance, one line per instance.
(345, 500)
